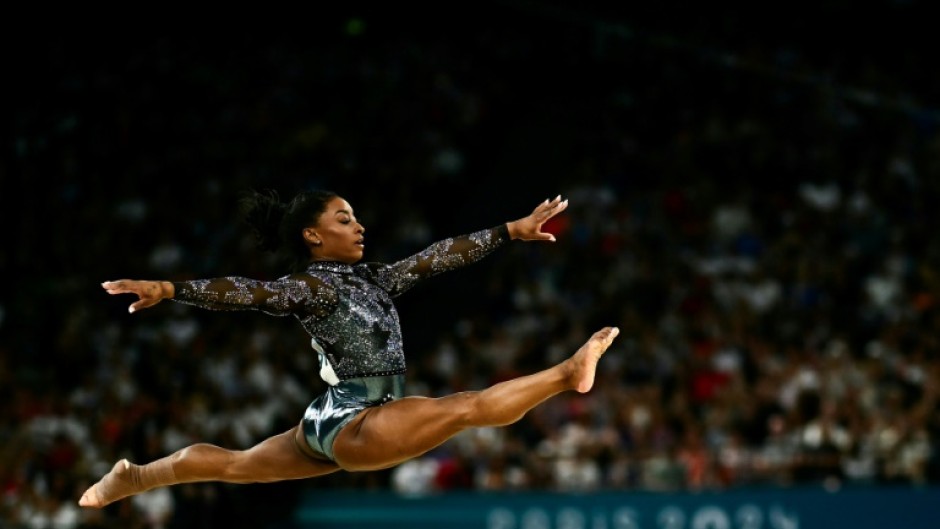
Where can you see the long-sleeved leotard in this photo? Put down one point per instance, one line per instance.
(346, 309)
(348, 312)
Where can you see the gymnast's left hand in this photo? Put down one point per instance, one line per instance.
(530, 228)
(149, 293)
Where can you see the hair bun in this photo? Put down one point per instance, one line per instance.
(263, 212)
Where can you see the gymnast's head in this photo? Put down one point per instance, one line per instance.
(312, 226)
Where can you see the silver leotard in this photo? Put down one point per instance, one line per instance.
(349, 314)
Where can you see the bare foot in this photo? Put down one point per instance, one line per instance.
(583, 363)
(117, 483)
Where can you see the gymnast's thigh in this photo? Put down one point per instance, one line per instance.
(277, 458)
(387, 435)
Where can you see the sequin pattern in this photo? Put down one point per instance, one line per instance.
(348, 309)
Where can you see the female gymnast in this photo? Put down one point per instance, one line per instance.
(362, 421)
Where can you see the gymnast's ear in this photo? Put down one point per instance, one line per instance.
(311, 236)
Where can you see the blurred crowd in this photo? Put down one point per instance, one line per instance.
(762, 235)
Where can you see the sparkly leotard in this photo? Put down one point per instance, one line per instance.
(349, 314)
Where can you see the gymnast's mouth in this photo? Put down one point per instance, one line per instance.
(361, 242)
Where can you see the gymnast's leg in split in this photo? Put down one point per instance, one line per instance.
(277, 458)
(375, 439)
(378, 437)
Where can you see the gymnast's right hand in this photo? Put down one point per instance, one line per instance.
(149, 292)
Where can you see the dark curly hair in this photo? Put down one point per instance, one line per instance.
(278, 225)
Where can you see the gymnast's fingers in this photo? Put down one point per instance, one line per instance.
(122, 286)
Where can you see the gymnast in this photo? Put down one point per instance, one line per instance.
(363, 421)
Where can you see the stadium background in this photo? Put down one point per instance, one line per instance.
(752, 202)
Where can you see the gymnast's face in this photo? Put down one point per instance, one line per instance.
(337, 236)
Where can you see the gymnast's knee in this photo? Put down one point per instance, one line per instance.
(231, 466)
(468, 410)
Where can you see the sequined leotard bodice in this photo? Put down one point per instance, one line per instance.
(346, 309)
